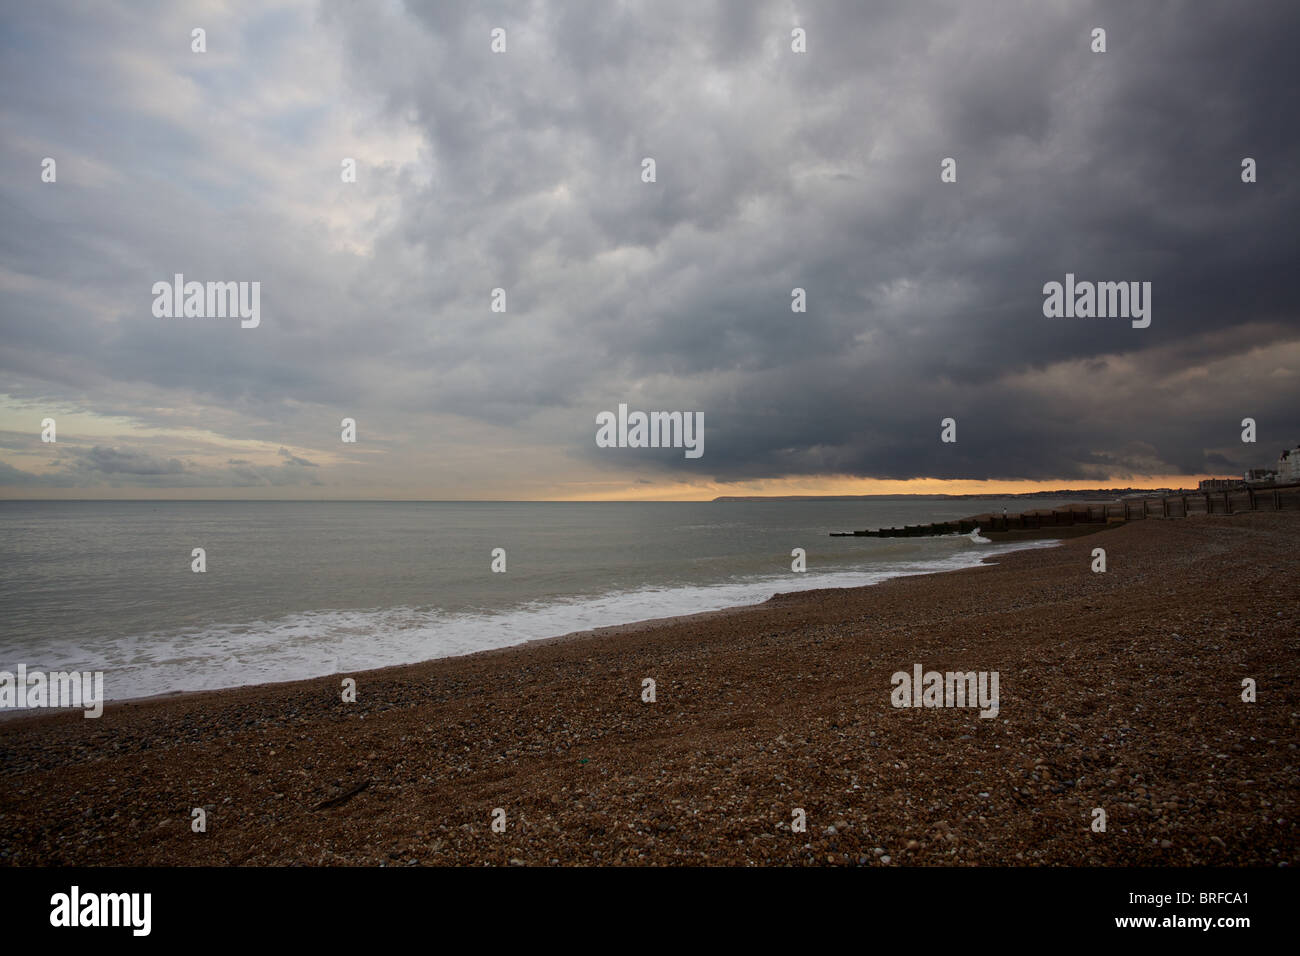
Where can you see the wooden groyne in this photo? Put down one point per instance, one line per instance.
(1232, 501)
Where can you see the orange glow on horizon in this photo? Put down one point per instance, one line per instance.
(846, 485)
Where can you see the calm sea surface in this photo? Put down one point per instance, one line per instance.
(302, 589)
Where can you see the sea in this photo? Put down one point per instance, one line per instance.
(298, 589)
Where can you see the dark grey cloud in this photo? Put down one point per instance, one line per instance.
(100, 464)
(112, 461)
(774, 169)
(295, 460)
(78, 465)
(9, 475)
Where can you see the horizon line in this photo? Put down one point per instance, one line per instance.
(565, 501)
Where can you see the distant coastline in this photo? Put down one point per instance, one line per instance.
(1080, 493)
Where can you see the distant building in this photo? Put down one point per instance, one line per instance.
(1288, 465)
(1220, 484)
(1260, 475)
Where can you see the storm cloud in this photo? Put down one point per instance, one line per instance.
(775, 170)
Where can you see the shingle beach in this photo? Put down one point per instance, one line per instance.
(1119, 691)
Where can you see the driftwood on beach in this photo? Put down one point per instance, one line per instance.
(342, 798)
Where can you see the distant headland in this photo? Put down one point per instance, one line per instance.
(1062, 493)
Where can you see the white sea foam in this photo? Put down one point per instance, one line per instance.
(319, 643)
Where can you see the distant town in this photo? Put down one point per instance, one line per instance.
(1286, 472)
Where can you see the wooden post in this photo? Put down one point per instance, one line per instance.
(1227, 504)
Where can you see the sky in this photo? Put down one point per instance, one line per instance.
(523, 170)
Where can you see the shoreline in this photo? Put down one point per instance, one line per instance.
(608, 630)
(1119, 691)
